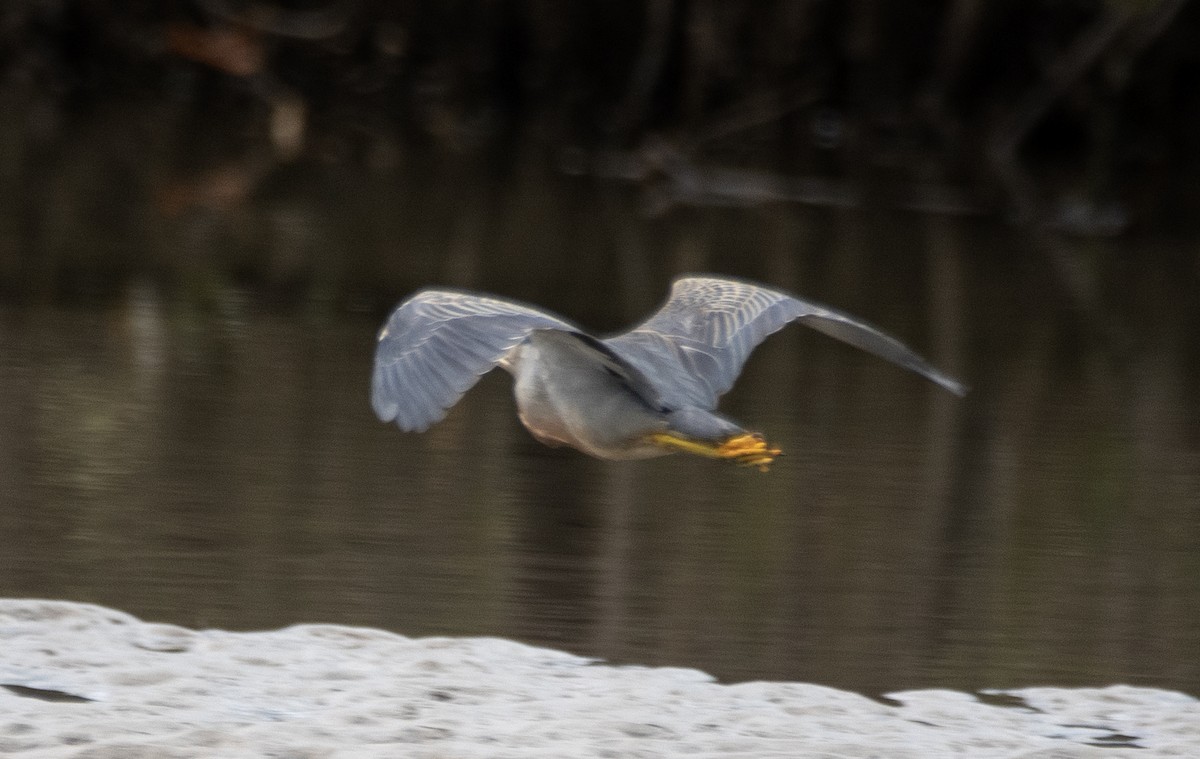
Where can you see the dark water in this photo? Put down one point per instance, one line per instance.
(225, 470)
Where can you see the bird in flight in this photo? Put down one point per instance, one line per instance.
(647, 392)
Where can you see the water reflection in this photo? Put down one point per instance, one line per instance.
(228, 472)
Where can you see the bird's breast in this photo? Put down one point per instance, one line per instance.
(564, 397)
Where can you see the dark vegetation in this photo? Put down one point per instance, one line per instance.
(161, 139)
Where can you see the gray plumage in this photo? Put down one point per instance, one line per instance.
(700, 339)
(436, 346)
(601, 396)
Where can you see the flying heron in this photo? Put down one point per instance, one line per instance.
(647, 392)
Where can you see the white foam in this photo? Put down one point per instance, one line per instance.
(314, 691)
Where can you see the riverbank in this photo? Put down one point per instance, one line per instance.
(94, 683)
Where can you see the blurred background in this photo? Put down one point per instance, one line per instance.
(207, 207)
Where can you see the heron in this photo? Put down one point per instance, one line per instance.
(650, 391)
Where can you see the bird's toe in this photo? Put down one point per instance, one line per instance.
(748, 449)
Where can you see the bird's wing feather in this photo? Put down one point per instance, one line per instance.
(437, 344)
(696, 344)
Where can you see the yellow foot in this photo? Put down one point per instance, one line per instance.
(748, 449)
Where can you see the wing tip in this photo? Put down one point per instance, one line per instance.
(385, 411)
(389, 412)
(409, 419)
(949, 383)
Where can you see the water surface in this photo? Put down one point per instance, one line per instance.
(224, 469)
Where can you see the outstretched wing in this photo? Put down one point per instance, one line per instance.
(696, 344)
(437, 344)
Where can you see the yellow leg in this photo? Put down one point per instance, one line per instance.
(748, 449)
